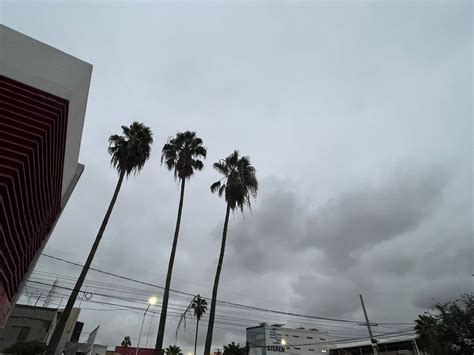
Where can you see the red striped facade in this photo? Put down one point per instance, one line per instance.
(33, 126)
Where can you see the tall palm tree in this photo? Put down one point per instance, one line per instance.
(182, 155)
(129, 153)
(173, 350)
(237, 186)
(199, 305)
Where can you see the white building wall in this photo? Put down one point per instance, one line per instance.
(278, 340)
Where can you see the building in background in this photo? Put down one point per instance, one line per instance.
(43, 96)
(30, 323)
(129, 350)
(82, 348)
(395, 345)
(271, 339)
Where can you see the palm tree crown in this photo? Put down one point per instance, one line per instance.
(182, 154)
(126, 342)
(239, 182)
(199, 305)
(131, 150)
(173, 350)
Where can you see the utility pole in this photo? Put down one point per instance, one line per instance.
(372, 339)
(50, 295)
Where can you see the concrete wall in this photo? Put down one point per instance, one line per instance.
(99, 350)
(40, 320)
(74, 348)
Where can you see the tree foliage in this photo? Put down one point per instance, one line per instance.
(448, 328)
(233, 349)
(131, 150)
(182, 154)
(27, 348)
(173, 350)
(199, 306)
(126, 342)
(239, 183)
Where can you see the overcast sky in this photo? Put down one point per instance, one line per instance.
(356, 115)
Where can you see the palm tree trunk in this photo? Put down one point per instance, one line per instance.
(164, 306)
(196, 337)
(210, 327)
(59, 329)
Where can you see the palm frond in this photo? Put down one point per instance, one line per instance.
(221, 190)
(182, 320)
(215, 186)
(198, 165)
(221, 167)
(241, 184)
(201, 151)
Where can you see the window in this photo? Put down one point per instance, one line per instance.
(296, 336)
(322, 338)
(310, 349)
(23, 334)
(309, 337)
(297, 348)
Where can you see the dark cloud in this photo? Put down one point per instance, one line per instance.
(326, 296)
(354, 221)
(353, 246)
(443, 290)
(272, 229)
(364, 217)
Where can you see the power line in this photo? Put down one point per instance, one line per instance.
(220, 301)
(225, 320)
(336, 331)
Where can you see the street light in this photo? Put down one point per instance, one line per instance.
(151, 301)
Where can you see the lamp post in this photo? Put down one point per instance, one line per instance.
(151, 301)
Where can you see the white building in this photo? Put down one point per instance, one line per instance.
(270, 339)
(395, 345)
